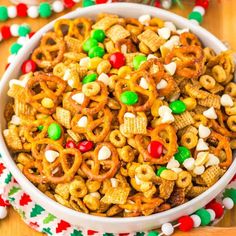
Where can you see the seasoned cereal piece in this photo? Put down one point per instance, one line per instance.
(151, 39)
(117, 195)
(63, 116)
(78, 205)
(195, 191)
(117, 32)
(183, 120)
(114, 210)
(73, 44)
(166, 188)
(177, 197)
(195, 91)
(63, 190)
(105, 23)
(137, 125)
(211, 101)
(23, 109)
(16, 91)
(217, 88)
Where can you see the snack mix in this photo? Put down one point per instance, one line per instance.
(122, 117)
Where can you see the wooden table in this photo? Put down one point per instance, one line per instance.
(220, 20)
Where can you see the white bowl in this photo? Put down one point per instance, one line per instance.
(115, 225)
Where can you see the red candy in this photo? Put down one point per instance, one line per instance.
(21, 9)
(155, 149)
(70, 144)
(85, 146)
(216, 207)
(28, 66)
(202, 3)
(117, 60)
(6, 33)
(69, 3)
(186, 223)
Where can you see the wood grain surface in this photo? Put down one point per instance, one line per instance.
(220, 19)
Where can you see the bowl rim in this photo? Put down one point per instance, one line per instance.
(45, 200)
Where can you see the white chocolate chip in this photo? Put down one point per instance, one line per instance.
(70, 82)
(164, 32)
(198, 170)
(210, 113)
(15, 120)
(84, 62)
(203, 131)
(123, 49)
(180, 31)
(143, 83)
(170, 68)
(144, 19)
(78, 97)
(151, 56)
(172, 164)
(189, 163)
(162, 84)
(51, 155)
(202, 158)
(104, 153)
(226, 100)
(212, 160)
(168, 118)
(67, 75)
(22, 82)
(163, 110)
(83, 122)
(129, 115)
(170, 25)
(177, 170)
(202, 145)
(104, 78)
(114, 182)
(173, 41)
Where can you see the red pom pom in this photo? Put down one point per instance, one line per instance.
(216, 207)
(202, 3)
(186, 223)
(157, 4)
(69, 3)
(101, 1)
(31, 34)
(6, 33)
(21, 9)
(28, 66)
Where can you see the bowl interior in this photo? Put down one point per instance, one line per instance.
(95, 222)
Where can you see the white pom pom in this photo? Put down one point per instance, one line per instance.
(57, 6)
(22, 40)
(3, 212)
(14, 30)
(196, 220)
(228, 203)
(199, 9)
(11, 10)
(212, 213)
(33, 12)
(167, 229)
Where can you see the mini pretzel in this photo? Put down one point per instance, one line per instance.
(64, 25)
(166, 135)
(50, 52)
(74, 125)
(189, 39)
(222, 145)
(82, 28)
(130, 46)
(51, 87)
(109, 166)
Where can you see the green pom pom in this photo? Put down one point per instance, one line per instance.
(231, 193)
(15, 48)
(153, 233)
(45, 10)
(23, 30)
(87, 3)
(3, 13)
(204, 215)
(195, 16)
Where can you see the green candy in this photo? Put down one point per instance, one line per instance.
(159, 171)
(15, 48)
(23, 30)
(45, 10)
(231, 193)
(89, 78)
(87, 3)
(182, 154)
(98, 34)
(96, 52)
(54, 131)
(204, 215)
(89, 43)
(40, 127)
(153, 233)
(129, 98)
(195, 16)
(138, 60)
(3, 13)
(177, 107)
